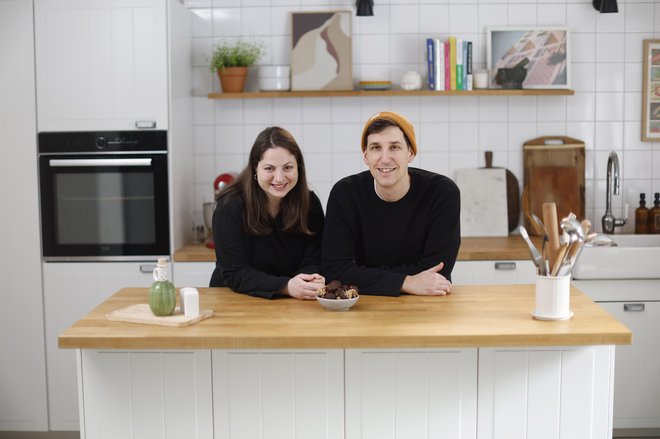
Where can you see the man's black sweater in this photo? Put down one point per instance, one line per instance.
(375, 244)
(262, 265)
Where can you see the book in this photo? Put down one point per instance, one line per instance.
(459, 64)
(452, 62)
(439, 64)
(447, 67)
(430, 61)
(468, 66)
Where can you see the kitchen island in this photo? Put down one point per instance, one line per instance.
(473, 364)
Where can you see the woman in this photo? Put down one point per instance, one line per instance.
(268, 225)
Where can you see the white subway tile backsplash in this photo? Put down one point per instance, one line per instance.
(434, 20)
(551, 14)
(639, 17)
(452, 132)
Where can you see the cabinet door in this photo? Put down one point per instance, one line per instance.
(71, 290)
(192, 274)
(411, 393)
(545, 393)
(22, 360)
(637, 368)
(147, 394)
(101, 64)
(493, 272)
(278, 394)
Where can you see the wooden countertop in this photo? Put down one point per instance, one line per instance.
(472, 316)
(472, 249)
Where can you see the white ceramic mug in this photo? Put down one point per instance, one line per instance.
(553, 294)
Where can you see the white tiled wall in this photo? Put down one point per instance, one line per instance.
(453, 132)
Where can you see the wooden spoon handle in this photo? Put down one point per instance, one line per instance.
(552, 227)
(561, 253)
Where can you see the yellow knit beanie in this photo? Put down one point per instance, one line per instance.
(399, 120)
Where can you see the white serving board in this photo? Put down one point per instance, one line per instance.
(483, 202)
(141, 313)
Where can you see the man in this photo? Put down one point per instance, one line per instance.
(392, 229)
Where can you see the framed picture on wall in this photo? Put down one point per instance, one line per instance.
(651, 93)
(544, 51)
(321, 56)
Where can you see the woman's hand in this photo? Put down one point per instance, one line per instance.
(304, 286)
(427, 283)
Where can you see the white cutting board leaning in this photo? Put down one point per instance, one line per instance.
(483, 202)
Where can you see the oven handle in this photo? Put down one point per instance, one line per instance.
(99, 162)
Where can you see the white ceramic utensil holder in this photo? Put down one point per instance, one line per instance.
(553, 294)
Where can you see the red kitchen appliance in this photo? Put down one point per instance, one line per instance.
(220, 182)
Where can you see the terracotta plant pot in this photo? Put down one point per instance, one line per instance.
(232, 79)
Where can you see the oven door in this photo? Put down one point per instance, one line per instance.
(104, 207)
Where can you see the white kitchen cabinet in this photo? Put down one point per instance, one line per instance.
(192, 274)
(494, 272)
(101, 64)
(636, 304)
(147, 394)
(71, 290)
(22, 361)
(553, 392)
(637, 367)
(411, 393)
(279, 394)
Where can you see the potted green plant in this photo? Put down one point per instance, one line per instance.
(231, 61)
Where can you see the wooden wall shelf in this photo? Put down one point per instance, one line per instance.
(364, 93)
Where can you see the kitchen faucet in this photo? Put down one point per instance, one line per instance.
(609, 221)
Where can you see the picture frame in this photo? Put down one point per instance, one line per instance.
(651, 91)
(321, 57)
(547, 49)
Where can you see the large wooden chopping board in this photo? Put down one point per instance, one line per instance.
(553, 171)
(483, 202)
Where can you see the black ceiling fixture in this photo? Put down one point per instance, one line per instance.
(365, 8)
(604, 6)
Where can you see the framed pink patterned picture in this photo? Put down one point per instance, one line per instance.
(544, 52)
(651, 94)
(321, 57)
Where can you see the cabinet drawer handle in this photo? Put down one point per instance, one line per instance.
(505, 265)
(147, 268)
(144, 124)
(633, 307)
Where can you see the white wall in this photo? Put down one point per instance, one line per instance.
(453, 132)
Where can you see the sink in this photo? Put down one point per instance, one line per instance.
(634, 257)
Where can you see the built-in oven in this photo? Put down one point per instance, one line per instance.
(104, 195)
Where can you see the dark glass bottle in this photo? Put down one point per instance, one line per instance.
(654, 215)
(642, 216)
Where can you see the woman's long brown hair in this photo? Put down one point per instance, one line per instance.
(295, 205)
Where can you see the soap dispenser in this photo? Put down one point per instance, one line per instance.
(654, 215)
(642, 216)
(162, 294)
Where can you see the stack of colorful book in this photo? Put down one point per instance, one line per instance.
(449, 64)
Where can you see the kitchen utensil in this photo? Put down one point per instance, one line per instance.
(483, 202)
(140, 313)
(567, 191)
(552, 228)
(512, 193)
(209, 208)
(559, 259)
(538, 226)
(536, 256)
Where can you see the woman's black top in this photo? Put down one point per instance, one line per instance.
(262, 265)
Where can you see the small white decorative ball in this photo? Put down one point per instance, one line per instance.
(411, 80)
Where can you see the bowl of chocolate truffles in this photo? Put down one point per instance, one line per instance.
(337, 297)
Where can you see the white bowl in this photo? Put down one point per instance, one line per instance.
(274, 84)
(337, 304)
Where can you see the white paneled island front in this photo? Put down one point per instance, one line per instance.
(473, 364)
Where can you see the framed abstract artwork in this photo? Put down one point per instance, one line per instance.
(651, 93)
(321, 57)
(544, 51)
